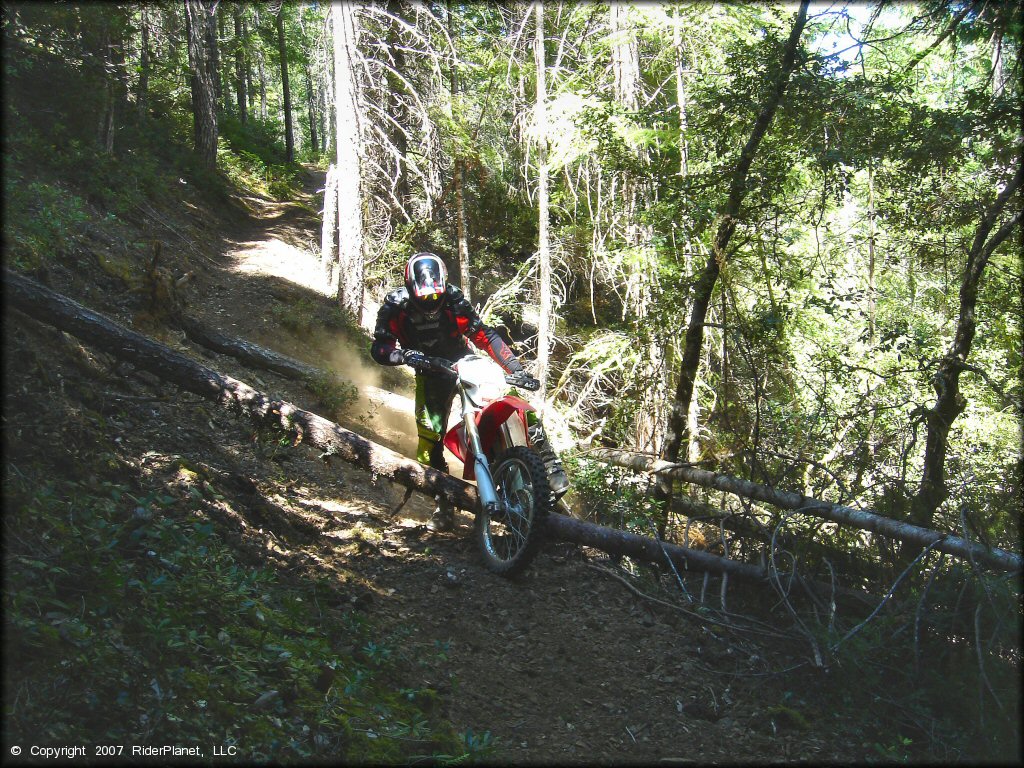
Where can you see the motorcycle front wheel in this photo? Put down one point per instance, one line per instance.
(509, 536)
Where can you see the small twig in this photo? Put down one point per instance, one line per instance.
(697, 616)
(670, 563)
(774, 580)
(138, 398)
(403, 502)
(885, 599)
(725, 549)
(981, 660)
(832, 595)
(787, 670)
(917, 613)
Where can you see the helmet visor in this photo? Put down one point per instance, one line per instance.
(427, 284)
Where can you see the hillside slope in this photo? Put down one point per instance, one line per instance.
(563, 665)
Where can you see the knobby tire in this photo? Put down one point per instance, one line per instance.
(509, 545)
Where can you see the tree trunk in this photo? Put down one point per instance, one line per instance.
(241, 66)
(142, 92)
(213, 49)
(251, 354)
(677, 44)
(311, 111)
(625, 544)
(544, 330)
(461, 233)
(262, 71)
(204, 103)
(458, 169)
(857, 518)
(172, 366)
(282, 48)
(350, 205)
(250, 88)
(677, 433)
(329, 229)
(640, 273)
(398, 114)
(949, 402)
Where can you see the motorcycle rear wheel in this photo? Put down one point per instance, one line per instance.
(509, 540)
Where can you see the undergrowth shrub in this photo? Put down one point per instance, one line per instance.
(43, 220)
(612, 495)
(251, 155)
(334, 393)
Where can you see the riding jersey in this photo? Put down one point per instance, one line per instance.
(444, 335)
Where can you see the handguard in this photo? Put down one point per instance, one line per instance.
(523, 380)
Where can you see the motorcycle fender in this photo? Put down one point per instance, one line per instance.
(491, 419)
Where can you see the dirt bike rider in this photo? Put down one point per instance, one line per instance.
(431, 318)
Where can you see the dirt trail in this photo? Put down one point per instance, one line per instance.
(564, 664)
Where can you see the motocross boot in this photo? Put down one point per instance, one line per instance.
(557, 478)
(443, 518)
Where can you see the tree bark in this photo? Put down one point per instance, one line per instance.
(677, 433)
(204, 100)
(640, 271)
(282, 49)
(398, 113)
(213, 50)
(949, 402)
(142, 91)
(347, 133)
(251, 354)
(865, 520)
(458, 171)
(54, 309)
(314, 142)
(623, 543)
(543, 237)
(329, 229)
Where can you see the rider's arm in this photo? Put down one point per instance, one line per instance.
(384, 349)
(482, 336)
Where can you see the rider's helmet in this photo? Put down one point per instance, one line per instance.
(426, 278)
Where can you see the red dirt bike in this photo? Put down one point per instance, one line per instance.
(497, 443)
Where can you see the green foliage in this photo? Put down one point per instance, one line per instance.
(130, 617)
(335, 394)
(44, 219)
(251, 156)
(612, 495)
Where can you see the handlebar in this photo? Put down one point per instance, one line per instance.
(443, 367)
(428, 364)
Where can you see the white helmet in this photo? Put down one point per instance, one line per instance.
(426, 279)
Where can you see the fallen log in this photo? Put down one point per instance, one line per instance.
(956, 546)
(617, 542)
(251, 354)
(52, 308)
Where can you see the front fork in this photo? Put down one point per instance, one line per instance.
(484, 482)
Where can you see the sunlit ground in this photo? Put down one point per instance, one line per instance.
(381, 414)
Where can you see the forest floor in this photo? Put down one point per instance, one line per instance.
(563, 665)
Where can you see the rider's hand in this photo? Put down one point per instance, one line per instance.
(415, 359)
